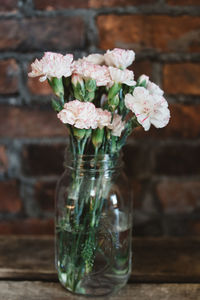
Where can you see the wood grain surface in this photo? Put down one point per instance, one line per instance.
(163, 269)
(165, 260)
(36, 290)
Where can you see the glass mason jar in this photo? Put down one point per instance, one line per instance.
(93, 225)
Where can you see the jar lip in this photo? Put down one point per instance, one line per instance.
(102, 161)
(98, 156)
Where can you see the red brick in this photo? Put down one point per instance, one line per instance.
(142, 67)
(179, 197)
(183, 2)
(193, 227)
(29, 122)
(39, 88)
(8, 76)
(142, 32)
(3, 159)
(24, 122)
(184, 123)
(27, 226)
(136, 159)
(137, 190)
(50, 5)
(10, 198)
(42, 33)
(45, 195)
(182, 78)
(178, 160)
(113, 3)
(8, 5)
(43, 159)
(60, 4)
(150, 227)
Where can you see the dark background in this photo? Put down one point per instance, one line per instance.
(163, 165)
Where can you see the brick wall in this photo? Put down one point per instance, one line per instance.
(163, 165)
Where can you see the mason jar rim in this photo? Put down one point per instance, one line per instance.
(98, 162)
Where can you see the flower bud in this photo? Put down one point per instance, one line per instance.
(143, 80)
(77, 79)
(90, 85)
(79, 133)
(78, 87)
(88, 132)
(97, 137)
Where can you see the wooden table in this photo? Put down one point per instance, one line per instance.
(163, 269)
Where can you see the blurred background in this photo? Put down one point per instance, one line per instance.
(163, 165)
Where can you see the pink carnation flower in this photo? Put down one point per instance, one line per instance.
(88, 70)
(117, 125)
(104, 117)
(119, 58)
(82, 115)
(52, 65)
(121, 76)
(147, 108)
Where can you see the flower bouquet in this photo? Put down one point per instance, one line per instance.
(100, 104)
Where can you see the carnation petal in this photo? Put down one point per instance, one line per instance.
(122, 76)
(149, 109)
(52, 65)
(82, 115)
(119, 58)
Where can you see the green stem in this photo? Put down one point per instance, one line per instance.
(83, 144)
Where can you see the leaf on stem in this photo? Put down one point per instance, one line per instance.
(79, 133)
(57, 86)
(56, 105)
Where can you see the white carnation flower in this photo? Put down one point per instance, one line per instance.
(104, 117)
(147, 108)
(88, 70)
(117, 125)
(121, 76)
(82, 115)
(52, 65)
(119, 58)
(154, 89)
(97, 59)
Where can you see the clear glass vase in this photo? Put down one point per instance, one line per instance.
(93, 225)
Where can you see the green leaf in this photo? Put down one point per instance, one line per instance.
(57, 86)
(131, 89)
(56, 105)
